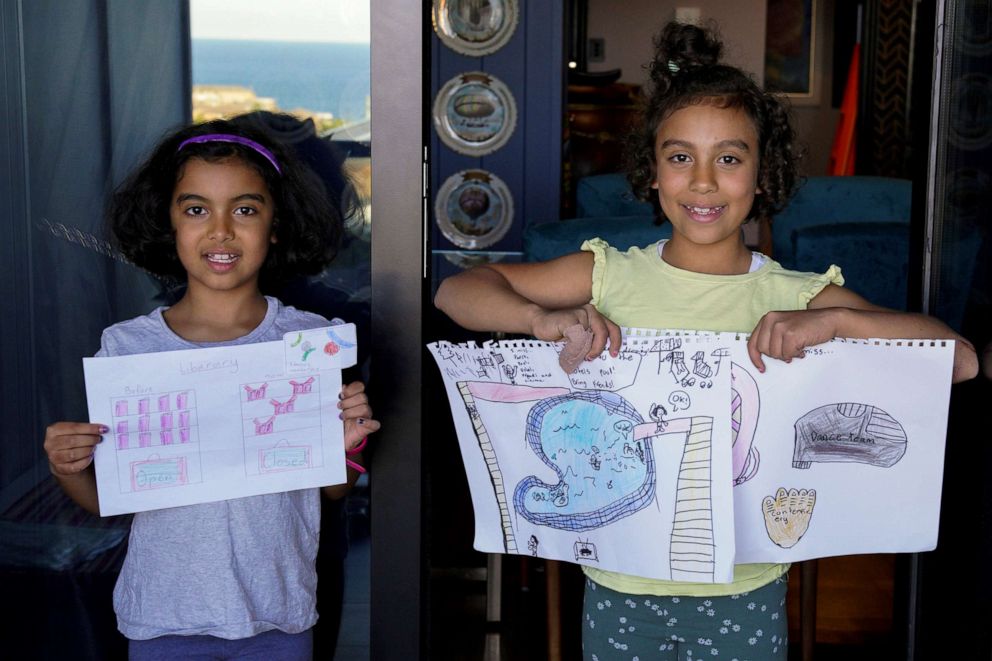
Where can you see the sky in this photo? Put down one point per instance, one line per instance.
(342, 21)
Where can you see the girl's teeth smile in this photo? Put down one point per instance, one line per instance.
(221, 258)
(703, 211)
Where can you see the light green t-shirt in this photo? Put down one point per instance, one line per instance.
(638, 289)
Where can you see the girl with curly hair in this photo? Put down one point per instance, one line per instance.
(228, 211)
(715, 151)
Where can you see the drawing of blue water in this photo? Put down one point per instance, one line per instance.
(323, 77)
(604, 474)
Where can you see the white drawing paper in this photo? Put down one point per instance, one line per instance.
(839, 452)
(851, 440)
(623, 465)
(210, 424)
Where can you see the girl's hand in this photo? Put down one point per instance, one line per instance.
(70, 446)
(357, 414)
(784, 335)
(550, 325)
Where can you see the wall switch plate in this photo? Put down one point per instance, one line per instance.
(597, 50)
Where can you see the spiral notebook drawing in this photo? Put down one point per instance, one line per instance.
(677, 458)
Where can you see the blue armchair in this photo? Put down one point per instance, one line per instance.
(858, 223)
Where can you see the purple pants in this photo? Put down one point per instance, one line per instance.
(266, 646)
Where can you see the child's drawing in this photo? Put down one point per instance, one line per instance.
(284, 457)
(138, 428)
(585, 551)
(497, 392)
(255, 394)
(678, 370)
(282, 408)
(650, 472)
(264, 426)
(745, 405)
(157, 472)
(787, 515)
(600, 449)
(604, 473)
(701, 369)
(201, 425)
(663, 347)
(300, 387)
(281, 433)
(338, 340)
(848, 432)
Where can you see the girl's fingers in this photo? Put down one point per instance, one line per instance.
(70, 460)
(600, 336)
(60, 431)
(351, 389)
(353, 412)
(615, 337)
(753, 346)
(79, 444)
(356, 430)
(354, 400)
(72, 467)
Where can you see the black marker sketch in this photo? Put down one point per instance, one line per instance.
(718, 355)
(679, 400)
(678, 370)
(658, 413)
(848, 432)
(663, 346)
(787, 515)
(701, 369)
(532, 545)
(585, 551)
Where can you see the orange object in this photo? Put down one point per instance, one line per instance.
(842, 154)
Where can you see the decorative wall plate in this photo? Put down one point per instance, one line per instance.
(473, 209)
(474, 113)
(475, 27)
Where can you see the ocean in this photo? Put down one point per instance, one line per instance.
(322, 77)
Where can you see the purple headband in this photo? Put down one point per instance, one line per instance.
(227, 137)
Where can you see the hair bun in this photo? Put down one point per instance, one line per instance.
(680, 47)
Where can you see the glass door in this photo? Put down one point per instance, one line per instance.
(957, 287)
(88, 88)
(300, 71)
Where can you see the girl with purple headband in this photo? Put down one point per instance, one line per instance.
(228, 212)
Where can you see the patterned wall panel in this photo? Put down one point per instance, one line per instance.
(888, 69)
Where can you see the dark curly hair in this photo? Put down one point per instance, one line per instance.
(686, 70)
(306, 222)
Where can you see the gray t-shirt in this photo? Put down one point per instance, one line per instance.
(233, 568)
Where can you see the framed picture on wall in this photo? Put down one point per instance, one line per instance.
(790, 48)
